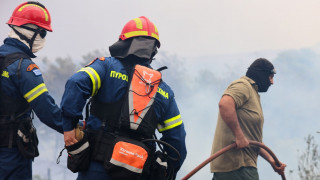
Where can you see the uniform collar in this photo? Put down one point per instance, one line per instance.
(252, 82)
(20, 46)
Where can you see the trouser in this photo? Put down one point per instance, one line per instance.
(244, 173)
(13, 166)
(95, 170)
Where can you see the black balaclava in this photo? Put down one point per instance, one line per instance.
(141, 49)
(259, 71)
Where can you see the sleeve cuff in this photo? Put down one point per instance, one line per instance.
(68, 124)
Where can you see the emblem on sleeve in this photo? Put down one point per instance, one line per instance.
(37, 72)
(5, 74)
(32, 66)
(91, 62)
(101, 59)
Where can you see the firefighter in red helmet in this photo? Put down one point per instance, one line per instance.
(129, 101)
(33, 17)
(140, 27)
(22, 91)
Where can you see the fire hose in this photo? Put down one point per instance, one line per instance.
(229, 147)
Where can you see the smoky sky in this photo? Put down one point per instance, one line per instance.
(187, 28)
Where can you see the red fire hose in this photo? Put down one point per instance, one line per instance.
(227, 148)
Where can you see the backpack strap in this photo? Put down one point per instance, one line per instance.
(162, 68)
(10, 108)
(11, 58)
(13, 107)
(6, 60)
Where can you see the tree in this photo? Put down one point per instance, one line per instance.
(93, 55)
(308, 168)
(57, 73)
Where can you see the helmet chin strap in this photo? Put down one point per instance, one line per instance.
(23, 37)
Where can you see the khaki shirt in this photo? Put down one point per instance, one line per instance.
(250, 116)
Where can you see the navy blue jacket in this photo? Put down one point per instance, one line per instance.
(29, 86)
(107, 79)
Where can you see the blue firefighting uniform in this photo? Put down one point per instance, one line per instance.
(107, 79)
(31, 87)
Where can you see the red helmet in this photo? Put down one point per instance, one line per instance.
(141, 26)
(31, 13)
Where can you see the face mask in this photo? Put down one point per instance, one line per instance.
(38, 43)
(28, 32)
(259, 71)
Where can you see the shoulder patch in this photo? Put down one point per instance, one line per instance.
(37, 72)
(101, 59)
(32, 66)
(91, 62)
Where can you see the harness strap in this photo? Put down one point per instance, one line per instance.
(162, 68)
(23, 37)
(11, 58)
(11, 110)
(8, 131)
(11, 131)
(18, 69)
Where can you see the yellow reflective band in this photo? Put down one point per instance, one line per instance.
(136, 33)
(170, 123)
(45, 12)
(155, 36)
(138, 23)
(95, 78)
(155, 28)
(35, 92)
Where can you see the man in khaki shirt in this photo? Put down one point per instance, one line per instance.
(241, 119)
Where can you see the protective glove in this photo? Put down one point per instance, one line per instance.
(79, 132)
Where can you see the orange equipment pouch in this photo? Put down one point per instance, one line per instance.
(129, 160)
(137, 114)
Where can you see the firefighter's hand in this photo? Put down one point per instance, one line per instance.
(70, 137)
(278, 169)
(79, 132)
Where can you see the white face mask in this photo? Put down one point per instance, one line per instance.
(38, 42)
